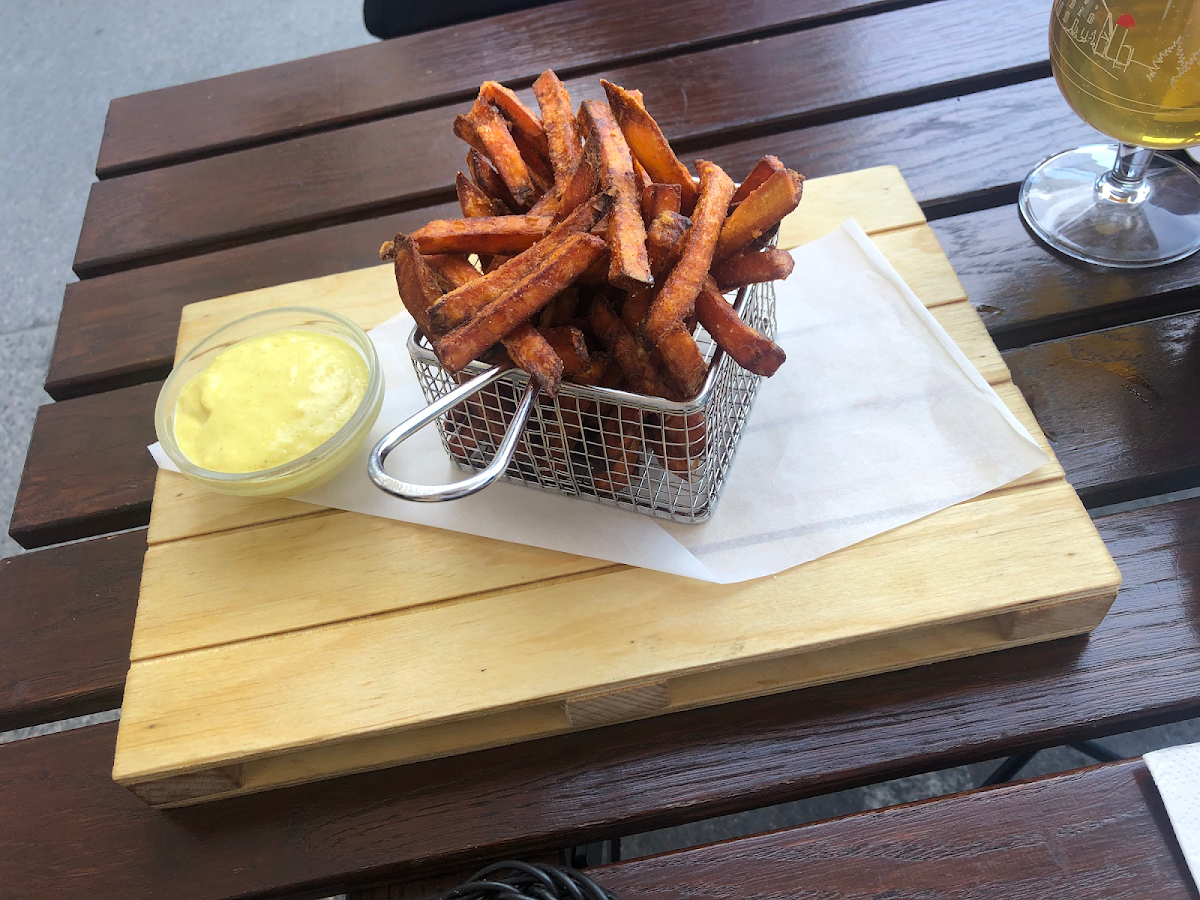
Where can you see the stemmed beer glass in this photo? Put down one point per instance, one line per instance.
(1131, 69)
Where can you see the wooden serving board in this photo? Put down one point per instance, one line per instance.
(278, 643)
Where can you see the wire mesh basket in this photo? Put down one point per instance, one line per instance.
(660, 457)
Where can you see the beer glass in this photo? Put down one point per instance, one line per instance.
(1130, 69)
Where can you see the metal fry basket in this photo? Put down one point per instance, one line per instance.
(660, 457)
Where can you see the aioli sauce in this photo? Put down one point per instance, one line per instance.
(268, 400)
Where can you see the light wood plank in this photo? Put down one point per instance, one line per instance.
(210, 707)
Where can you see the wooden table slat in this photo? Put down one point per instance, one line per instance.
(120, 329)
(411, 72)
(434, 816)
(66, 616)
(700, 99)
(1093, 834)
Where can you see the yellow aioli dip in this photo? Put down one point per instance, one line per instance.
(268, 400)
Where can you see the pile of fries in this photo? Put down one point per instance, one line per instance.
(587, 251)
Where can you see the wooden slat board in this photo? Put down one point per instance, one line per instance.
(253, 669)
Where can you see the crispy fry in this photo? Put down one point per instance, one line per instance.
(684, 438)
(749, 349)
(763, 169)
(524, 345)
(626, 351)
(452, 270)
(569, 344)
(562, 135)
(648, 143)
(582, 183)
(622, 451)
(539, 166)
(659, 198)
(485, 130)
(460, 305)
(752, 267)
(598, 365)
(683, 360)
(547, 205)
(503, 314)
(641, 180)
(418, 285)
(474, 201)
(628, 265)
(664, 244)
(488, 181)
(675, 300)
(492, 234)
(532, 352)
(520, 115)
(759, 212)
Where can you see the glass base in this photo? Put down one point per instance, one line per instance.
(1070, 202)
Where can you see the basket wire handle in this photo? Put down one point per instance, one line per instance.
(436, 493)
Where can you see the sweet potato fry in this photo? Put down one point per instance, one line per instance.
(648, 143)
(598, 364)
(750, 350)
(521, 116)
(488, 181)
(763, 169)
(460, 305)
(562, 136)
(418, 286)
(474, 201)
(664, 244)
(684, 439)
(759, 212)
(582, 183)
(506, 312)
(452, 270)
(628, 266)
(752, 267)
(570, 346)
(625, 349)
(675, 300)
(485, 130)
(524, 345)
(532, 352)
(641, 180)
(659, 198)
(683, 360)
(539, 166)
(492, 234)
(620, 461)
(547, 205)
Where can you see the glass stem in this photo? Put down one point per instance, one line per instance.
(1126, 182)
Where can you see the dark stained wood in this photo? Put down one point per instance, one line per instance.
(1026, 293)
(700, 99)
(1121, 407)
(88, 471)
(1142, 665)
(411, 72)
(66, 616)
(1095, 834)
(120, 329)
(959, 153)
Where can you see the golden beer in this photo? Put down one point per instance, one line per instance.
(1131, 68)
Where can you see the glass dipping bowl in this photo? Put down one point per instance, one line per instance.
(307, 471)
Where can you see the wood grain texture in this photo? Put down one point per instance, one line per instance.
(66, 615)
(699, 99)
(120, 329)
(1140, 666)
(1026, 293)
(1095, 834)
(87, 471)
(408, 72)
(1134, 408)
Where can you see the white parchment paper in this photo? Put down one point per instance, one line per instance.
(875, 420)
(1176, 772)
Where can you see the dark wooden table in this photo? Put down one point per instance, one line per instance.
(301, 169)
